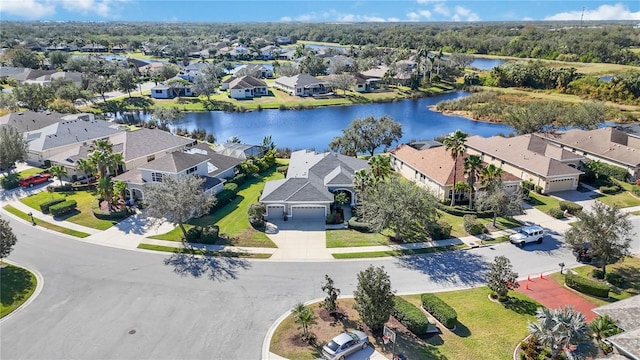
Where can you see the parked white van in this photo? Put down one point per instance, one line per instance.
(527, 234)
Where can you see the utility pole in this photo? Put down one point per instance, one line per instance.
(581, 17)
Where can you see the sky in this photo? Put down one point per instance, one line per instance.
(317, 10)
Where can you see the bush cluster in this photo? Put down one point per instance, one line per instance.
(463, 210)
(528, 185)
(63, 207)
(571, 207)
(556, 213)
(360, 226)
(538, 189)
(440, 310)
(441, 230)
(615, 279)
(587, 286)
(472, 226)
(44, 207)
(636, 190)
(410, 316)
(613, 171)
(229, 191)
(9, 182)
(204, 235)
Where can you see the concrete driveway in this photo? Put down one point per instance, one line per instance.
(299, 240)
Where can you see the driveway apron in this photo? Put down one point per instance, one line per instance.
(551, 295)
(298, 240)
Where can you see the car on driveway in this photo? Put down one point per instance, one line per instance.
(36, 179)
(345, 344)
(528, 234)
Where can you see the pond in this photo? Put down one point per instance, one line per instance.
(486, 64)
(314, 128)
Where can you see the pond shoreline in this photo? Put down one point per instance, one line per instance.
(462, 113)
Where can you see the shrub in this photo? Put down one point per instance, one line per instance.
(635, 190)
(463, 210)
(571, 207)
(360, 226)
(282, 169)
(239, 179)
(109, 215)
(587, 286)
(44, 207)
(613, 171)
(615, 279)
(528, 185)
(440, 310)
(556, 213)
(228, 192)
(9, 182)
(442, 230)
(597, 273)
(538, 189)
(471, 225)
(194, 234)
(63, 207)
(410, 316)
(210, 234)
(609, 189)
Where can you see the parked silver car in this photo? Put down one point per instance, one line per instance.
(345, 344)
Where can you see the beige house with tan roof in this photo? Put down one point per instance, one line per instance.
(433, 169)
(608, 145)
(530, 158)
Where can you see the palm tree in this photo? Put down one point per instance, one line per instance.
(380, 167)
(105, 190)
(559, 329)
(86, 166)
(491, 176)
(119, 188)
(303, 315)
(362, 181)
(454, 142)
(460, 187)
(602, 327)
(116, 161)
(268, 144)
(58, 171)
(472, 168)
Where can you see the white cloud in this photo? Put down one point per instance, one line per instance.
(464, 14)
(442, 9)
(603, 12)
(286, 18)
(333, 15)
(417, 15)
(428, 1)
(29, 9)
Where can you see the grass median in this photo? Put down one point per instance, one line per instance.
(16, 286)
(180, 250)
(44, 224)
(403, 252)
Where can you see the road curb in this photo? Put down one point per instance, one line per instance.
(36, 292)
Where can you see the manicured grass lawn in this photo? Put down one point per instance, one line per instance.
(543, 203)
(486, 329)
(45, 224)
(84, 215)
(457, 226)
(387, 253)
(30, 171)
(629, 269)
(349, 238)
(622, 199)
(177, 250)
(232, 218)
(16, 286)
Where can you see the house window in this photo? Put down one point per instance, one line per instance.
(151, 158)
(156, 177)
(157, 91)
(192, 170)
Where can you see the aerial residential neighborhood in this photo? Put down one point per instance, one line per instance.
(290, 180)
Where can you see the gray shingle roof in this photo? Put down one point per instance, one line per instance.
(300, 80)
(294, 189)
(145, 142)
(626, 314)
(30, 120)
(70, 132)
(246, 82)
(220, 163)
(174, 162)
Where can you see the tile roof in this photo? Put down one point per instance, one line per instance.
(437, 164)
(607, 142)
(515, 151)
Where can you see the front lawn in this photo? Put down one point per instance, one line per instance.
(84, 214)
(628, 269)
(622, 199)
(543, 203)
(44, 224)
(403, 252)
(457, 225)
(233, 218)
(485, 329)
(190, 251)
(16, 286)
(352, 238)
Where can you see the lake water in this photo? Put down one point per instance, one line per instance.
(314, 128)
(486, 64)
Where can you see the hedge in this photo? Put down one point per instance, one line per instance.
(556, 213)
(210, 234)
(571, 207)
(72, 187)
(471, 225)
(587, 286)
(356, 225)
(228, 192)
(410, 316)
(63, 207)
(110, 215)
(609, 189)
(441, 230)
(462, 211)
(613, 171)
(44, 207)
(440, 310)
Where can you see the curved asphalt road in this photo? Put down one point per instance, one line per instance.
(106, 303)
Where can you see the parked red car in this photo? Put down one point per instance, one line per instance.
(36, 179)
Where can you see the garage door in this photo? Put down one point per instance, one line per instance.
(560, 185)
(275, 212)
(308, 213)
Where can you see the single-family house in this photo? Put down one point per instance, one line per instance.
(173, 164)
(192, 70)
(164, 91)
(308, 190)
(608, 145)
(530, 158)
(218, 165)
(360, 83)
(269, 52)
(239, 150)
(93, 48)
(29, 120)
(246, 87)
(67, 134)
(626, 314)
(255, 70)
(74, 76)
(434, 169)
(286, 54)
(283, 40)
(302, 85)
